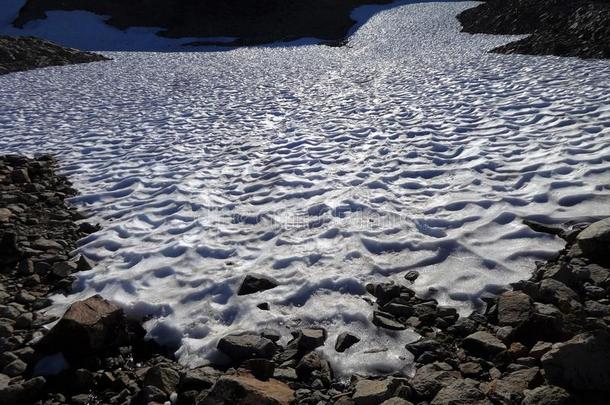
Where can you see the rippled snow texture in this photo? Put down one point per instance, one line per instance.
(322, 167)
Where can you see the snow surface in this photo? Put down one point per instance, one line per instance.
(325, 168)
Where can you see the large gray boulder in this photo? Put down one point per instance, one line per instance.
(595, 239)
(581, 363)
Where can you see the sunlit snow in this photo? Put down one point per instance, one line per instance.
(325, 168)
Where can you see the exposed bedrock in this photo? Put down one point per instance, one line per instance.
(27, 53)
(555, 27)
(251, 21)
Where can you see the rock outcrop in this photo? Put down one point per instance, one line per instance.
(555, 27)
(250, 21)
(27, 53)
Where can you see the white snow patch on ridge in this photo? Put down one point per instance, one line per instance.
(325, 168)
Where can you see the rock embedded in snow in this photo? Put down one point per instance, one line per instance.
(245, 346)
(87, 327)
(595, 239)
(345, 340)
(244, 388)
(386, 321)
(581, 363)
(309, 338)
(483, 343)
(255, 283)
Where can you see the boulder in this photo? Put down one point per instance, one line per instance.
(262, 369)
(510, 388)
(386, 321)
(162, 377)
(483, 343)
(87, 327)
(557, 293)
(344, 341)
(514, 308)
(23, 393)
(581, 363)
(313, 365)
(460, 392)
(595, 239)
(430, 379)
(199, 379)
(547, 395)
(396, 401)
(255, 283)
(309, 338)
(245, 389)
(372, 392)
(245, 346)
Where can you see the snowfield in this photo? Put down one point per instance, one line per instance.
(324, 168)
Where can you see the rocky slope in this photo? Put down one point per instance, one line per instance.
(542, 341)
(26, 53)
(557, 27)
(251, 21)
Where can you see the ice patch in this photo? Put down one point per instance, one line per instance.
(324, 168)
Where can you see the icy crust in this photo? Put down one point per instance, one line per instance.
(324, 168)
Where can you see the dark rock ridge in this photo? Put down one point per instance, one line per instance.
(252, 21)
(556, 27)
(27, 53)
(546, 340)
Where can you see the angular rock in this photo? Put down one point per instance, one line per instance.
(510, 388)
(199, 379)
(344, 341)
(396, 401)
(514, 308)
(309, 338)
(557, 293)
(539, 349)
(255, 283)
(244, 388)
(460, 392)
(430, 379)
(14, 368)
(547, 395)
(373, 392)
(581, 363)
(162, 377)
(245, 346)
(483, 343)
(595, 239)
(310, 363)
(385, 321)
(87, 327)
(262, 369)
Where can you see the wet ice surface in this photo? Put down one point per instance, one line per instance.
(325, 168)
